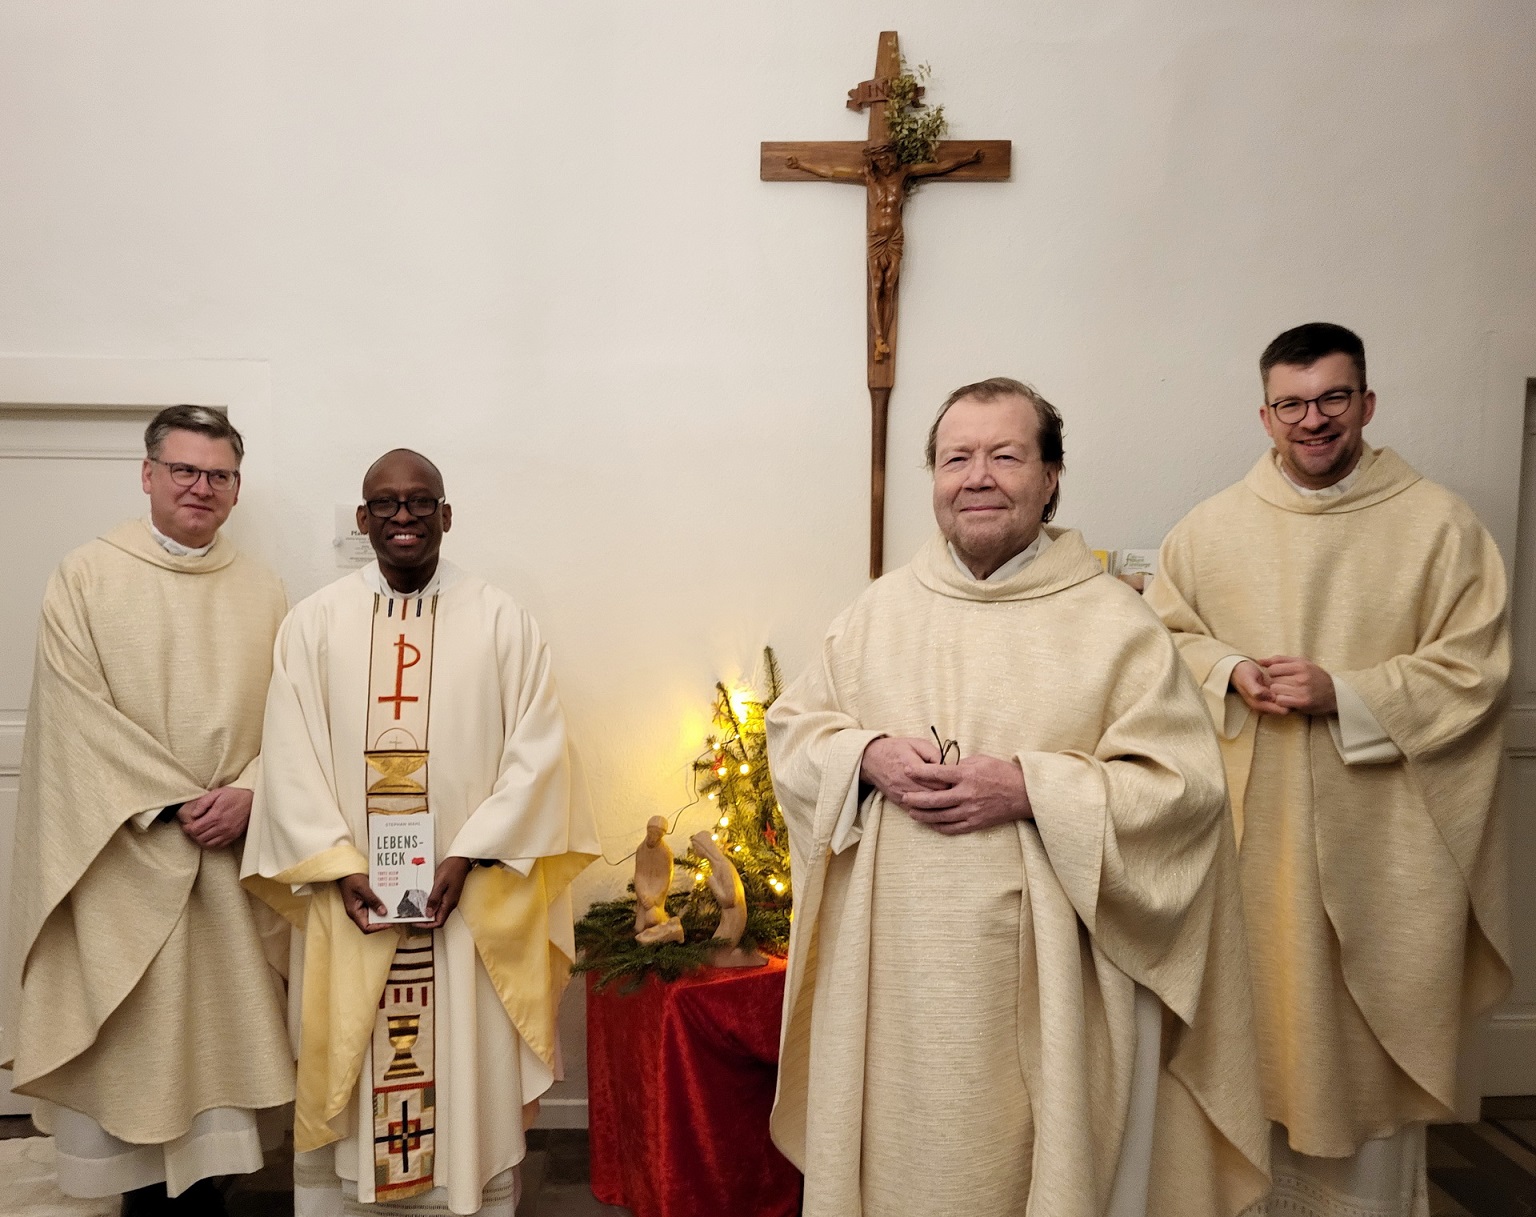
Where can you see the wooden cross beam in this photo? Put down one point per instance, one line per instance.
(874, 165)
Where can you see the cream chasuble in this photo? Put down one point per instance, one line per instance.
(149, 1018)
(1373, 878)
(960, 1024)
(443, 1108)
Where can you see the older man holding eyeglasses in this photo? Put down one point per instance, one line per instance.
(149, 1026)
(1016, 976)
(1346, 617)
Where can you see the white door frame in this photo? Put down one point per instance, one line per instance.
(1509, 1044)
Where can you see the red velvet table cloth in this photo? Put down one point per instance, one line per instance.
(680, 1081)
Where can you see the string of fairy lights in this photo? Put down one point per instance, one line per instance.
(732, 773)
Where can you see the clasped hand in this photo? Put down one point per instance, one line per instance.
(359, 899)
(217, 818)
(975, 793)
(1283, 683)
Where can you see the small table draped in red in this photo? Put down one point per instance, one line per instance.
(680, 1084)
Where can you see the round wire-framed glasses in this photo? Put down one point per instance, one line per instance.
(1330, 405)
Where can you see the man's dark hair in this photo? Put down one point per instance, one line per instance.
(212, 423)
(993, 388)
(1306, 344)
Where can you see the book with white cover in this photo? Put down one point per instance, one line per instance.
(1138, 567)
(400, 865)
(1137, 562)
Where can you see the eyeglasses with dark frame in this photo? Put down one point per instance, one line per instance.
(945, 747)
(1330, 404)
(185, 476)
(419, 505)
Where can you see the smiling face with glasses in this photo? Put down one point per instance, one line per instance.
(405, 516)
(1316, 415)
(193, 483)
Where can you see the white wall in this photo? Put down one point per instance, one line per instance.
(530, 240)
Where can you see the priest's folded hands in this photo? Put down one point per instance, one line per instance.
(217, 818)
(972, 794)
(1283, 683)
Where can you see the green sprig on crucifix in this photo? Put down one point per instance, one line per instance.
(878, 166)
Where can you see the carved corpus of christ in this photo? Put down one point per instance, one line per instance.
(876, 166)
(887, 181)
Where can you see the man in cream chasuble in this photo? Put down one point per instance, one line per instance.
(1016, 981)
(412, 688)
(149, 1026)
(1346, 618)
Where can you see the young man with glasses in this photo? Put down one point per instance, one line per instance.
(149, 1026)
(1346, 618)
(1017, 959)
(427, 1024)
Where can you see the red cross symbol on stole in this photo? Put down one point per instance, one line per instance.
(401, 663)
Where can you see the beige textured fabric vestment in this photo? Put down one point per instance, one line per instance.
(146, 995)
(1375, 893)
(959, 1010)
(500, 789)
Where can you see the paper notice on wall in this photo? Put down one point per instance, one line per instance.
(400, 864)
(353, 548)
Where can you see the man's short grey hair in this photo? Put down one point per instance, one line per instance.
(212, 423)
(1052, 450)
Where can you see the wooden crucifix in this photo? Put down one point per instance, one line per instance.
(875, 166)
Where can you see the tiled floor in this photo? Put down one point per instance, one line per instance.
(1476, 1170)
(554, 1178)
(1487, 1169)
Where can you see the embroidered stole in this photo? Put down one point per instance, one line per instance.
(404, 1074)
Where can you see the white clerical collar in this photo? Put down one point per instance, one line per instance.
(175, 548)
(1009, 568)
(441, 579)
(1339, 488)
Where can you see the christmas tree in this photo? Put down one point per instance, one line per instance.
(732, 776)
